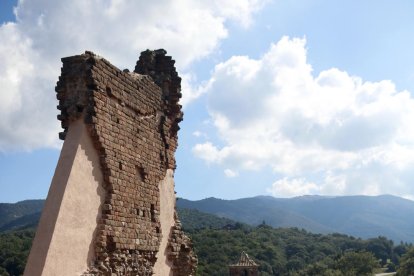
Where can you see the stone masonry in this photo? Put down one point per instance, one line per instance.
(132, 118)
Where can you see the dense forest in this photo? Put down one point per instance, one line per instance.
(294, 252)
(288, 251)
(279, 251)
(14, 249)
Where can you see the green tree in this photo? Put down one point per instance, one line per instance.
(407, 264)
(382, 248)
(357, 263)
(3, 272)
(14, 249)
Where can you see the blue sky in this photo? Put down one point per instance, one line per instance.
(281, 98)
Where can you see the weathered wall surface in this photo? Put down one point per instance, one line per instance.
(64, 240)
(167, 207)
(132, 119)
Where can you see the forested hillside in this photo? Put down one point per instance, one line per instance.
(359, 216)
(289, 251)
(23, 213)
(14, 249)
(279, 251)
(286, 251)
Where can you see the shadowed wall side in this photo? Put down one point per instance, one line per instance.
(64, 241)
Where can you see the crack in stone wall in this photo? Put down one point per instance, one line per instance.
(133, 119)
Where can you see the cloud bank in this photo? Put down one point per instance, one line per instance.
(46, 30)
(332, 133)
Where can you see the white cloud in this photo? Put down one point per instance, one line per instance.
(197, 133)
(200, 134)
(28, 116)
(190, 89)
(208, 152)
(274, 112)
(289, 188)
(230, 173)
(240, 10)
(47, 30)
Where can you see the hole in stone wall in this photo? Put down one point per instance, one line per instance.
(152, 213)
(140, 213)
(120, 165)
(140, 173)
(117, 120)
(157, 229)
(79, 108)
(109, 91)
(111, 245)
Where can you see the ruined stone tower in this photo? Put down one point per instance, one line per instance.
(111, 206)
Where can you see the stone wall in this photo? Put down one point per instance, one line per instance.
(133, 119)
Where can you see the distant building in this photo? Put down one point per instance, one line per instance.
(244, 267)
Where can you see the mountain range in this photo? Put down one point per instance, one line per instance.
(21, 214)
(359, 216)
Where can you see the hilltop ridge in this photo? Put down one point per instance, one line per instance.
(360, 216)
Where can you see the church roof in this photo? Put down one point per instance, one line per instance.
(245, 261)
